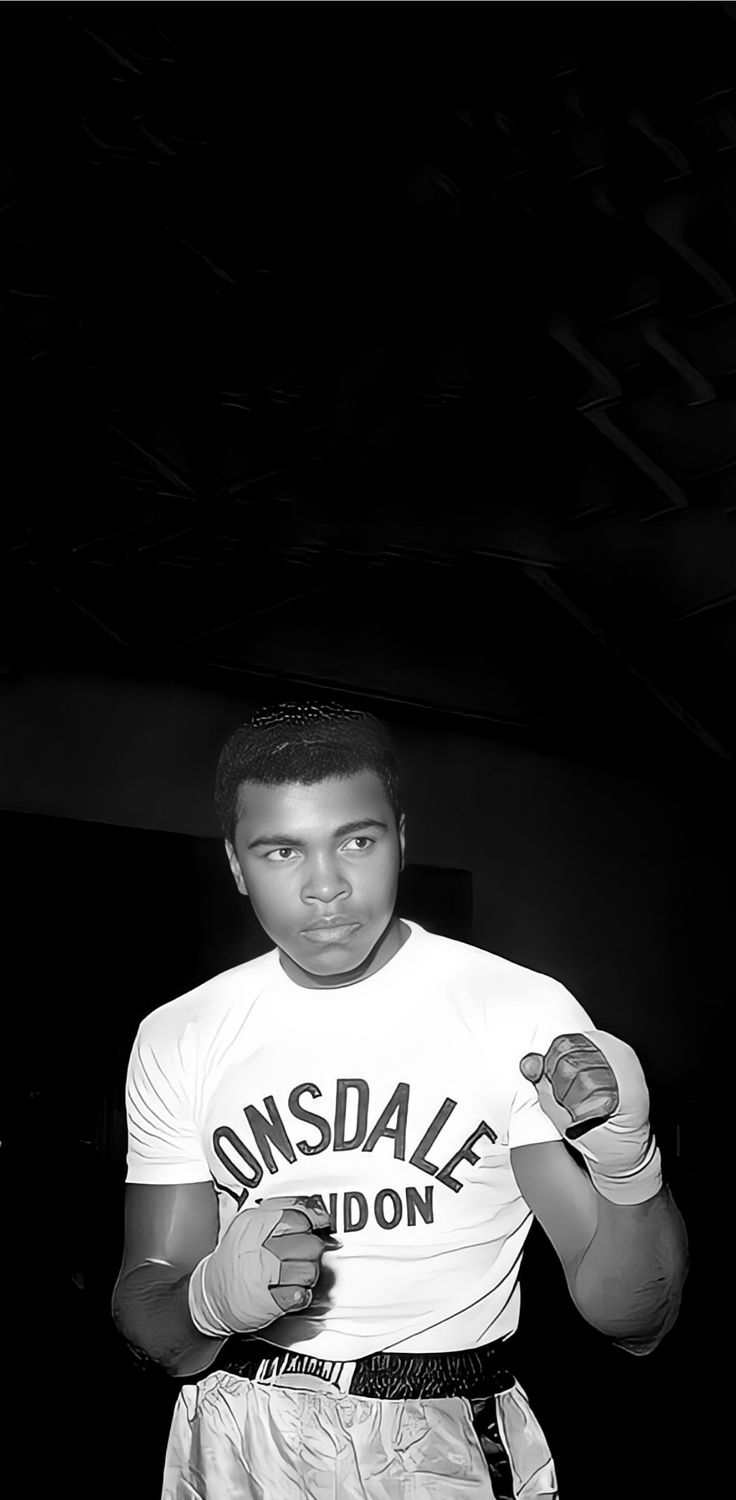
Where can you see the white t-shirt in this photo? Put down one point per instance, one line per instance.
(397, 1099)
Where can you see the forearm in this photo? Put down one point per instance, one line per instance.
(151, 1310)
(628, 1282)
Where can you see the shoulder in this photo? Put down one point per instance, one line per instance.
(205, 1006)
(465, 959)
(502, 983)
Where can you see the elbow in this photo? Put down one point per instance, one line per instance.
(636, 1319)
(638, 1347)
(145, 1359)
(631, 1331)
(630, 1287)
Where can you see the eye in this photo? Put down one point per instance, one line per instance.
(281, 856)
(360, 843)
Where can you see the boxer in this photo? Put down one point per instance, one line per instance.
(452, 1095)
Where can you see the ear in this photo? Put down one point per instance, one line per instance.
(402, 840)
(235, 869)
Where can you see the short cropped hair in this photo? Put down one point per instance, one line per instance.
(303, 743)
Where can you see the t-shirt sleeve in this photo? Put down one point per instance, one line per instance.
(558, 1013)
(164, 1144)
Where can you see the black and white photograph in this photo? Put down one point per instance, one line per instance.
(368, 747)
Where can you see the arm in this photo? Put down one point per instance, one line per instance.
(619, 1236)
(181, 1293)
(168, 1230)
(625, 1263)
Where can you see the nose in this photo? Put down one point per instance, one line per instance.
(325, 881)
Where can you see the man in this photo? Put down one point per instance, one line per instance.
(343, 1329)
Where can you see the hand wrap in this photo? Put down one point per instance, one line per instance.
(622, 1155)
(229, 1289)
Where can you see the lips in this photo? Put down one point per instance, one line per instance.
(329, 922)
(331, 930)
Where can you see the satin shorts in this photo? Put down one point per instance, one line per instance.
(298, 1438)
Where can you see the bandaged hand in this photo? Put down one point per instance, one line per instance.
(592, 1087)
(265, 1265)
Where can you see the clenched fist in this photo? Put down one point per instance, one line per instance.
(592, 1087)
(298, 1249)
(265, 1265)
(575, 1081)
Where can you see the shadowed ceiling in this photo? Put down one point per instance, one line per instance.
(384, 348)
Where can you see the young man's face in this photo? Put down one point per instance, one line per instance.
(321, 866)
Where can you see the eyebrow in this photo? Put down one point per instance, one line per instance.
(286, 840)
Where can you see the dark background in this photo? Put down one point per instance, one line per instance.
(389, 351)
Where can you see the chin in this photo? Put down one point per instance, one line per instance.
(331, 962)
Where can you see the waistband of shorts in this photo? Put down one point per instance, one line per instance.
(384, 1375)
